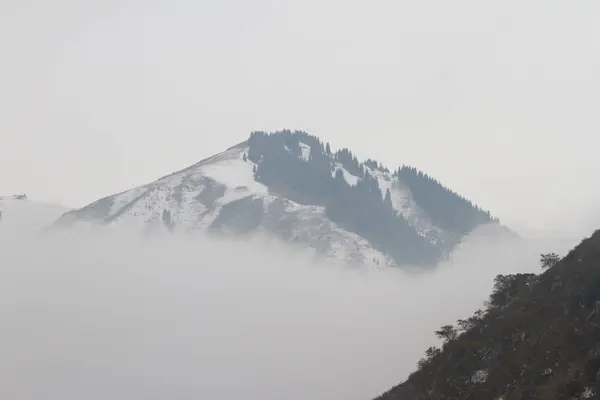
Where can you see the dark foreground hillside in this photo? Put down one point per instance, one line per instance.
(539, 338)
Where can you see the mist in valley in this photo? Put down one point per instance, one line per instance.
(108, 314)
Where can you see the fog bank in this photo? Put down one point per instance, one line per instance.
(112, 316)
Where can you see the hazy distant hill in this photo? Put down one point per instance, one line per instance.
(19, 214)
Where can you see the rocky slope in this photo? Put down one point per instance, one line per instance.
(539, 338)
(292, 186)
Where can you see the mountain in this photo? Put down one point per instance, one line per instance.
(538, 338)
(293, 186)
(19, 214)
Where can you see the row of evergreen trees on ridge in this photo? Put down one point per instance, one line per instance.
(448, 210)
(360, 208)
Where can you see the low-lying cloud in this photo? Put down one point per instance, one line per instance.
(112, 316)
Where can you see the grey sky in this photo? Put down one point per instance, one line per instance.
(498, 100)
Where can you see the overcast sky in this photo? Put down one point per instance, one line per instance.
(498, 100)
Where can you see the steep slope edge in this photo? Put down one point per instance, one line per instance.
(539, 338)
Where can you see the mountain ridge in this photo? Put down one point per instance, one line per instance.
(291, 185)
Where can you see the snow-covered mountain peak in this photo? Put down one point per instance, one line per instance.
(292, 187)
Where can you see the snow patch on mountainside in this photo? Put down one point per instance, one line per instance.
(305, 151)
(352, 180)
(331, 241)
(384, 180)
(404, 202)
(235, 173)
(405, 205)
